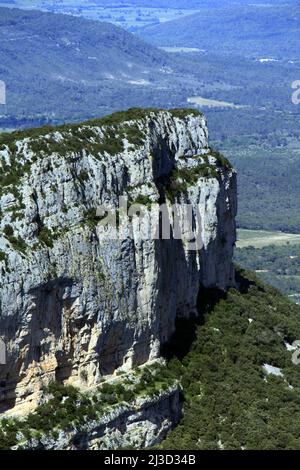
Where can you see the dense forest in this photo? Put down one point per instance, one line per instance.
(241, 389)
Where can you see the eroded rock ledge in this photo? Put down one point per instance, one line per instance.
(135, 409)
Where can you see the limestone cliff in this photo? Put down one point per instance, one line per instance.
(74, 306)
(141, 424)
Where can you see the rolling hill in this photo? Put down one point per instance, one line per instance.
(248, 30)
(59, 67)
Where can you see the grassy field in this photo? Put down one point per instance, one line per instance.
(262, 238)
(274, 256)
(200, 101)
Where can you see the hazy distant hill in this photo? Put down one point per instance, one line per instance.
(249, 30)
(131, 15)
(60, 67)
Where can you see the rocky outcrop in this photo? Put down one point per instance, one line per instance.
(74, 305)
(140, 425)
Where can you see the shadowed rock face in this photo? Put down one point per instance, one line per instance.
(75, 306)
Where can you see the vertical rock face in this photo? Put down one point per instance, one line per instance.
(76, 305)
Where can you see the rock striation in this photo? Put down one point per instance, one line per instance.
(75, 306)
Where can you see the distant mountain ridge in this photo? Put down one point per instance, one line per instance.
(246, 30)
(59, 67)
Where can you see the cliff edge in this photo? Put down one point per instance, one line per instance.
(76, 306)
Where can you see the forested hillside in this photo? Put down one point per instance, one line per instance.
(245, 30)
(240, 386)
(61, 68)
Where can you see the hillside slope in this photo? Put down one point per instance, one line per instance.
(59, 67)
(241, 386)
(249, 30)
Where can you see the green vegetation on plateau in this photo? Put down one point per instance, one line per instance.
(114, 119)
(76, 138)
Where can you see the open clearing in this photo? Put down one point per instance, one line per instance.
(181, 49)
(261, 238)
(199, 101)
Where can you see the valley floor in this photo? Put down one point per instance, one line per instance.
(262, 238)
(274, 256)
